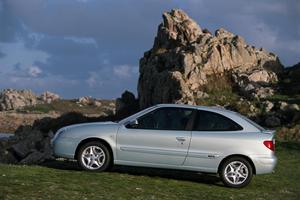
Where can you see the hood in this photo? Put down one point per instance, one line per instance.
(79, 130)
(80, 125)
(88, 124)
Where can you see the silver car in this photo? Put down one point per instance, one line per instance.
(184, 137)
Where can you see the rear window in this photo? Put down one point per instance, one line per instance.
(252, 122)
(211, 121)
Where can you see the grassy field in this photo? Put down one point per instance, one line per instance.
(61, 180)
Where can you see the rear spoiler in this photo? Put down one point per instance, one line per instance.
(271, 132)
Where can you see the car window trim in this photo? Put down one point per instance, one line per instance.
(188, 127)
(197, 115)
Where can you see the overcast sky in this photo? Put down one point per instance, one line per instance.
(92, 47)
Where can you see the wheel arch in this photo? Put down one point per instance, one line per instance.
(238, 155)
(94, 139)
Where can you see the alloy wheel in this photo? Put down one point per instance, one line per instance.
(93, 157)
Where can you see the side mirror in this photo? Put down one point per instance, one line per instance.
(132, 124)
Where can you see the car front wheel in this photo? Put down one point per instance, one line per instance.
(236, 172)
(94, 156)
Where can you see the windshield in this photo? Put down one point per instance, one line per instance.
(136, 115)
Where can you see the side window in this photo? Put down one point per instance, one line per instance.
(165, 119)
(210, 121)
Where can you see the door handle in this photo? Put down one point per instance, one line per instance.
(180, 139)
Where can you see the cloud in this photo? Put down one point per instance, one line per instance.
(18, 53)
(112, 80)
(125, 71)
(34, 71)
(93, 80)
(83, 40)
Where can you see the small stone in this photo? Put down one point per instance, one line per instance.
(252, 108)
(201, 94)
(283, 105)
(268, 106)
(293, 107)
(97, 103)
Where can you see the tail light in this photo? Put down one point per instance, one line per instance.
(270, 144)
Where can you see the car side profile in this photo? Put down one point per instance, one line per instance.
(172, 136)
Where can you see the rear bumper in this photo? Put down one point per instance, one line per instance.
(263, 164)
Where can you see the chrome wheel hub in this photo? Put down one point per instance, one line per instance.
(93, 157)
(236, 172)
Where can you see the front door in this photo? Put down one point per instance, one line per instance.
(161, 136)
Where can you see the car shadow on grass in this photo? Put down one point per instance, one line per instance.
(210, 179)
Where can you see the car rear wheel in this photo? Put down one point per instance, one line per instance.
(94, 156)
(236, 172)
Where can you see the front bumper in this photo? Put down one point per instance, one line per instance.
(65, 147)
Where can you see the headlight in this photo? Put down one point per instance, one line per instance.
(59, 132)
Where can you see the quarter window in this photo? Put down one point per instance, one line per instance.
(165, 119)
(210, 121)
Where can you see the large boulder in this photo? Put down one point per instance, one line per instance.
(183, 58)
(87, 100)
(49, 97)
(11, 99)
(126, 105)
(272, 121)
(27, 146)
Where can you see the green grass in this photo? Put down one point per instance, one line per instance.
(220, 91)
(63, 180)
(287, 98)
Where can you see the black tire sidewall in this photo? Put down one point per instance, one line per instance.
(245, 162)
(107, 153)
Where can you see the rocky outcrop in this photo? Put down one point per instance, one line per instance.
(12, 99)
(183, 57)
(255, 83)
(49, 97)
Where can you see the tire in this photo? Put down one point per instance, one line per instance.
(94, 156)
(236, 172)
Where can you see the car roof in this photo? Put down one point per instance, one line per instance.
(208, 108)
(220, 110)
